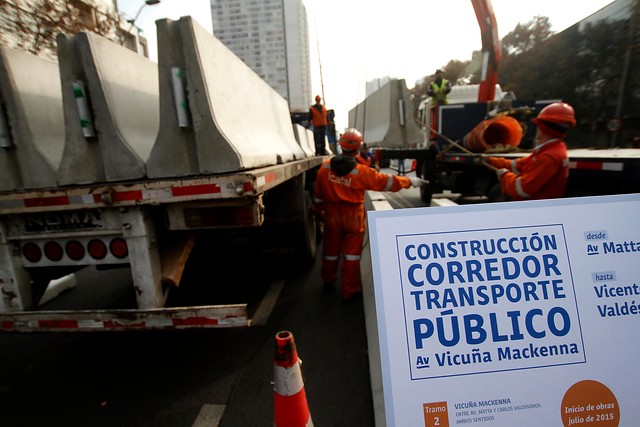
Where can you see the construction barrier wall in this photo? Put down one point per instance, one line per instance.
(122, 89)
(304, 137)
(32, 139)
(235, 121)
(106, 114)
(385, 117)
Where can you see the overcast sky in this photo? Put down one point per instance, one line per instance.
(360, 40)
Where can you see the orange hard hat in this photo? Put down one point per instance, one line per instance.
(350, 139)
(556, 119)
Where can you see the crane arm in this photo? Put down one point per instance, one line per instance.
(491, 49)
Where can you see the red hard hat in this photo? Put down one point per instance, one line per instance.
(556, 119)
(318, 98)
(351, 139)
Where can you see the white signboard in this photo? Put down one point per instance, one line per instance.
(510, 314)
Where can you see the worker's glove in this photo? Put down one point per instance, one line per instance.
(418, 182)
(501, 172)
(492, 160)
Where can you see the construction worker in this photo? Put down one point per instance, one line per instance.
(339, 198)
(364, 156)
(331, 131)
(319, 121)
(438, 90)
(544, 173)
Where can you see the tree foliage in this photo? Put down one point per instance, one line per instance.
(526, 36)
(583, 66)
(32, 25)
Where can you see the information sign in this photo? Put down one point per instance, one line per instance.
(505, 314)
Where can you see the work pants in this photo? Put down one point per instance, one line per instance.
(344, 229)
(319, 134)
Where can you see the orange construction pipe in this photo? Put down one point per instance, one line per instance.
(500, 130)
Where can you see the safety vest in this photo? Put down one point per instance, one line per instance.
(439, 97)
(318, 116)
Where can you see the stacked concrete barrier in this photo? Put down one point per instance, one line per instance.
(385, 117)
(32, 128)
(112, 139)
(221, 116)
(305, 139)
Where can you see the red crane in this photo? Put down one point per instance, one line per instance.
(491, 49)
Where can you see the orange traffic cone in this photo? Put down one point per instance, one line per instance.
(290, 400)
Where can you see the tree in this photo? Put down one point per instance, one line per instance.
(455, 70)
(525, 60)
(526, 36)
(32, 25)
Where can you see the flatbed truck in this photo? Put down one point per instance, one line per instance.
(112, 161)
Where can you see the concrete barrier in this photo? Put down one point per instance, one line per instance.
(385, 117)
(121, 88)
(305, 139)
(235, 120)
(33, 133)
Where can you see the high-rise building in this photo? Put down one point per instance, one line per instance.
(272, 37)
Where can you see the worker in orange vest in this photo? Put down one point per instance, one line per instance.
(319, 121)
(339, 197)
(364, 156)
(544, 173)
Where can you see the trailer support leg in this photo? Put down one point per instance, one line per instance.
(144, 257)
(15, 281)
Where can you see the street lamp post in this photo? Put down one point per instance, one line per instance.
(146, 3)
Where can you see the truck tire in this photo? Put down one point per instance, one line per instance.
(426, 193)
(289, 234)
(495, 194)
(310, 239)
(427, 190)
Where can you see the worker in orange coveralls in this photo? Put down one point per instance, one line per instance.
(364, 157)
(339, 197)
(544, 173)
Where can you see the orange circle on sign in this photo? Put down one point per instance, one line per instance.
(590, 403)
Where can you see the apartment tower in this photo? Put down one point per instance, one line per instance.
(272, 37)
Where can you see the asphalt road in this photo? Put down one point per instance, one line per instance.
(193, 377)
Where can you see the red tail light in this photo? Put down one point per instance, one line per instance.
(74, 250)
(32, 252)
(97, 249)
(53, 251)
(119, 248)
